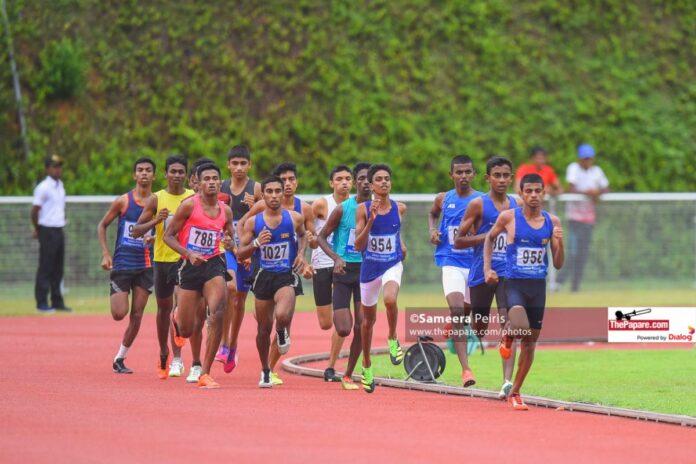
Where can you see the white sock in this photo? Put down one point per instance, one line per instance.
(122, 352)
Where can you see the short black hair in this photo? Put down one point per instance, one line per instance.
(496, 161)
(239, 151)
(359, 167)
(269, 180)
(531, 179)
(198, 163)
(377, 167)
(144, 160)
(285, 167)
(537, 149)
(207, 167)
(461, 159)
(339, 168)
(175, 159)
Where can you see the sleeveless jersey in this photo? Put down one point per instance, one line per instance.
(278, 254)
(383, 250)
(166, 200)
(319, 259)
(499, 258)
(130, 253)
(526, 256)
(344, 235)
(201, 233)
(298, 205)
(453, 208)
(239, 208)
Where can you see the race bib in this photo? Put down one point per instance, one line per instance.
(383, 247)
(500, 243)
(350, 246)
(202, 241)
(451, 237)
(127, 238)
(275, 255)
(530, 257)
(167, 221)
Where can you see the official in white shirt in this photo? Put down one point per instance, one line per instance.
(48, 218)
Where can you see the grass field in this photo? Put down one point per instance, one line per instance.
(650, 380)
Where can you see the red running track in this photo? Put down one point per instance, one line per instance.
(60, 402)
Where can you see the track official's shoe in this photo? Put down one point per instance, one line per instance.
(283, 341)
(396, 354)
(468, 379)
(266, 381)
(368, 379)
(221, 355)
(176, 368)
(330, 375)
(178, 339)
(194, 374)
(505, 390)
(275, 380)
(348, 384)
(517, 403)
(162, 366)
(505, 348)
(206, 381)
(231, 360)
(120, 368)
(43, 308)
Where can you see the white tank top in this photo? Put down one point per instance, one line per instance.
(319, 259)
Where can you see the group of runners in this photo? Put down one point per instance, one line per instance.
(203, 249)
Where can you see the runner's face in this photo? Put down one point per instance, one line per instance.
(363, 184)
(289, 183)
(532, 194)
(342, 183)
(381, 182)
(239, 167)
(499, 178)
(143, 174)
(209, 182)
(272, 194)
(462, 174)
(176, 174)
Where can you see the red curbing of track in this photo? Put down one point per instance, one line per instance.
(60, 402)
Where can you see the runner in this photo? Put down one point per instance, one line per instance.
(346, 270)
(528, 231)
(455, 263)
(378, 237)
(480, 215)
(277, 237)
(243, 193)
(159, 209)
(341, 182)
(195, 233)
(131, 266)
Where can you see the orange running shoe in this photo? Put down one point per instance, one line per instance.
(178, 339)
(517, 403)
(206, 381)
(505, 348)
(468, 378)
(162, 370)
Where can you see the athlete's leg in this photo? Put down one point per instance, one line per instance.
(214, 292)
(237, 317)
(264, 323)
(391, 281)
(455, 301)
(229, 308)
(519, 323)
(186, 311)
(140, 297)
(356, 344)
(119, 305)
(164, 313)
(197, 336)
(508, 364)
(283, 313)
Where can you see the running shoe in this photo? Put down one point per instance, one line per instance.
(43, 308)
(206, 381)
(472, 342)
(348, 384)
(120, 368)
(330, 375)
(505, 348)
(368, 379)
(396, 354)
(468, 379)
(283, 341)
(194, 374)
(505, 390)
(231, 360)
(517, 403)
(221, 355)
(266, 379)
(176, 368)
(162, 366)
(275, 380)
(178, 339)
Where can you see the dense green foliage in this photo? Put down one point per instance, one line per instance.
(410, 83)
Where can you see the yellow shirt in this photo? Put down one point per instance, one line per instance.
(166, 200)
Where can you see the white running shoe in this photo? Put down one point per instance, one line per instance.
(176, 368)
(283, 341)
(194, 374)
(505, 390)
(265, 381)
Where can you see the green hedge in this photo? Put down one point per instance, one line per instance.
(409, 82)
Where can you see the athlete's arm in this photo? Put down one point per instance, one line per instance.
(253, 211)
(499, 227)
(433, 218)
(557, 252)
(363, 225)
(308, 215)
(472, 215)
(319, 208)
(147, 219)
(113, 212)
(171, 233)
(402, 211)
(258, 195)
(329, 227)
(300, 266)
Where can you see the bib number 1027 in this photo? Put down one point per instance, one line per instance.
(275, 252)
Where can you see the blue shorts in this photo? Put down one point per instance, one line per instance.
(242, 275)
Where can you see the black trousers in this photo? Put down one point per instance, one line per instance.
(50, 272)
(579, 240)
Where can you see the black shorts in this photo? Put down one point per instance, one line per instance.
(321, 284)
(531, 295)
(266, 283)
(165, 276)
(482, 299)
(125, 281)
(194, 277)
(345, 286)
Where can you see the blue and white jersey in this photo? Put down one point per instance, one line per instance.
(130, 253)
(383, 250)
(278, 254)
(453, 208)
(526, 256)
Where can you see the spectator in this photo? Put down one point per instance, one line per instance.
(538, 164)
(589, 180)
(48, 218)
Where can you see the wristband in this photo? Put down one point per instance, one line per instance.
(256, 243)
